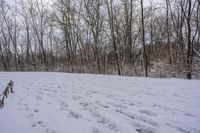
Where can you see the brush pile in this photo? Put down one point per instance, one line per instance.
(8, 89)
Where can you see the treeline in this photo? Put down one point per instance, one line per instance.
(125, 37)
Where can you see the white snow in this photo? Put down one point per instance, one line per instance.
(83, 103)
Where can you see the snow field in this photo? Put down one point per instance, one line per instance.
(83, 103)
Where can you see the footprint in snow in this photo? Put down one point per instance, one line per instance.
(101, 105)
(31, 116)
(26, 108)
(149, 113)
(47, 130)
(131, 104)
(44, 86)
(35, 110)
(74, 115)
(95, 130)
(178, 128)
(144, 130)
(58, 87)
(39, 122)
(138, 118)
(104, 121)
(76, 97)
(33, 124)
(84, 104)
(39, 98)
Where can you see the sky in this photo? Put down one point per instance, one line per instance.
(146, 2)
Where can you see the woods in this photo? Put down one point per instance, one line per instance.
(125, 37)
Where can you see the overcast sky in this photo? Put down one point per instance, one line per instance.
(146, 2)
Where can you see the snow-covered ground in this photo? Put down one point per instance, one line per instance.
(83, 103)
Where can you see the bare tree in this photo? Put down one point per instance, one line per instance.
(111, 16)
(101, 36)
(168, 32)
(188, 9)
(143, 40)
(95, 21)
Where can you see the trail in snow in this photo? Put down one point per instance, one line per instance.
(75, 103)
